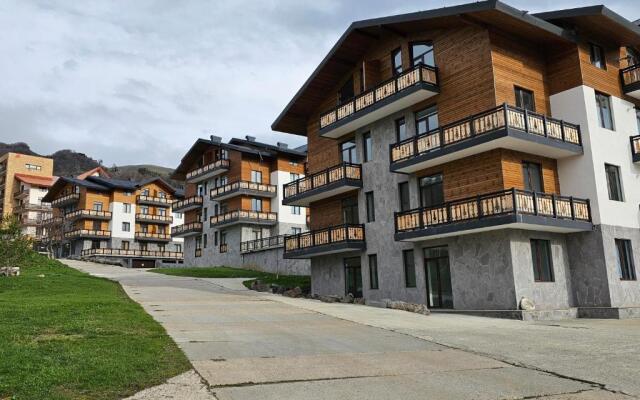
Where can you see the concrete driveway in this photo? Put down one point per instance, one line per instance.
(249, 345)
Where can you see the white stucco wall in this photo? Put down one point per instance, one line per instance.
(178, 219)
(280, 178)
(118, 216)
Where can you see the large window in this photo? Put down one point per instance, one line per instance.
(409, 268)
(348, 151)
(605, 117)
(124, 245)
(256, 176)
(401, 130)
(403, 196)
(295, 210)
(371, 212)
(256, 204)
(422, 53)
(638, 118)
(97, 206)
(431, 191)
(525, 99)
(542, 261)
(614, 185)
(396, 61)
(126, 227)
(633, 56)
(126, 208)
(367, 147)
(597, 56)
(626, 269)
(427, 120)
(346, 91)
(532, 175)
(350, 210)
(373, 271)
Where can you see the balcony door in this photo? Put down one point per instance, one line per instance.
(348, 152)
(353, 276)
(431, 190)
(438, 274)
(350, 210)
(532, 175)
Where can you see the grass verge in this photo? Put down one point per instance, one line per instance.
(289, 281)
(69, 335)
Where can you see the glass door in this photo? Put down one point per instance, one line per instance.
(437, 271)
(353, 276)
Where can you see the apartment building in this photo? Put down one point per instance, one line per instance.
(24, 181)
(232, 204)
(471, 156)
(118, 220)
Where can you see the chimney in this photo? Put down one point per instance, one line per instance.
(250, 138)
(283, 145)
(215, 139)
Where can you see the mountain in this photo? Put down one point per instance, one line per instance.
(141, 172)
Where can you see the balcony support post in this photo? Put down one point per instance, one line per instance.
(535, 203)
(554, 205)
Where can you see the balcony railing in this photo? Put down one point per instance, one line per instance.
(107, 252)
(52, 221)
(272, 242)
(346, 237)
(631, 80)
(482, 207)
(158, 219)
(87, 214)
(345, 175)
(66, 199)
(260, 189)
(91, 233)
(189, 203)
(635, 148)
(21, 193)
(32, 207)
(153, 200)
(256, 217)
(484, 123)
(161, 237)
(418, 74)
(221, 164)
(224, 247)
(187, 229)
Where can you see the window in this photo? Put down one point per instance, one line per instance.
(127, 194)
(542, 261)
(295, 210)
(346, 91)
(403, 196)
(215, 238)
(162, 229)
(350, 210)
(613, 182)
(143, 246)
(367, 147)
(161, 195)
(293, 163)
(361, 80)
(373, 271)
(33, 167)
(178, 215)
(256, 176)
(97, 206)
(256, 234)
(532, 175)
(296, 231)
(348, 152)
(126, 208)
(626, 269)
(525, 99)
(126, 227)
(597, 56)
(124, 245)
(200, 190)
(293, 176)
(633, 56)
(162, 212)
(427, 120)
(205, 213)
(431, 191)
(422, 53)
(204, 240)
(178, 247)
(145, 192)
(396, 61)
(144, 210)
(161, 247)
(605, 118)
(409, 268)
(401, 130)
(256, 204)
(198, 244)
(371, 212)
(223, 237)
(144, 228)
(95, 244)
(638, 118)
(97, 226)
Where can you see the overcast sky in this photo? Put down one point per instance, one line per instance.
(136, 82)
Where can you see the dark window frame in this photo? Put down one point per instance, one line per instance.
(396, 70)
(440, 183)
(353, 151)
(603, 55)
(540, 175)
(520, 100)
(402, 201)
(367, 147)
(401, 122)
(349, 207)
(426, 118)
(539, 275)
(374, 282)
(602, 121)
(370, 205)
(619, 193)
(626, 265)
(638, 118)
(343, 99)
(409, 281)
(412, 56)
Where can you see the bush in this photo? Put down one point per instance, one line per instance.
(15, 248)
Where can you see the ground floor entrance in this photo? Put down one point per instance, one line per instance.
(438, 274)
(353, 276)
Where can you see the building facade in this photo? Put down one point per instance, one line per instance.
(24, 181)
(232, 204)
(471, 156)
(122, 221)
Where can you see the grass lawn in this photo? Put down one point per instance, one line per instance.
(72, 336)
(228, 272)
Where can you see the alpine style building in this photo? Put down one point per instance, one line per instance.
(471, 156)
(233, 204)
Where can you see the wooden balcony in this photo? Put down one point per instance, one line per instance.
(243, 188)
(155, 254)
(153, 200)
(631, 81)
(87, 234)
(187, 204)
(66, 200)
(208, 171)
(152, 237)
(186, 230)
(21, 194)
(502, 127)
(509, 209)
(410, 87)
(26, 207)
(244, 217)
(154, 219)
(635, 148)
(88, 214)
(272, 242)
(335, 239)
(322, 185)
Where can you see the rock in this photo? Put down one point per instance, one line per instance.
(10, 271)
(347, 299)
(295, 292)
(41, 276)
(258, 286)
(329, 299)
(359, 300)
(527, 304)
(410, 307)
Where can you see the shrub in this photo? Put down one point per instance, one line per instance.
(14, 246)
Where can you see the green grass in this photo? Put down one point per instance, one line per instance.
(290, 281)
(72, 336)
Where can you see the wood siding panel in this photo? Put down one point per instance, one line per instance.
(512, 171)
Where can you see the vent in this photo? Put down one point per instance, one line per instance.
(283, 145)
(250, 138)
(215, 139)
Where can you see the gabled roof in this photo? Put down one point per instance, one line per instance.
(360, 35)
(35, 180)
(266, 146)
(111, 183)
(160, 181)
(97, 170)
(62, 181)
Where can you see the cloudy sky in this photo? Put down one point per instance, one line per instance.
(136, 82)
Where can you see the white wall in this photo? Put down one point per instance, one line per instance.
(177, 221)
(118, 217)
(584, 176)
(280, 178)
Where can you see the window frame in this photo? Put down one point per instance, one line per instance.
(295, 210)
(407, 268)
(394, 67)
(426, 118)
(603, 55)
(256, 204)
(370, 206)
(518, 92)
(525, 167)
(601, 117)
(401, 197)
(374, 282)
(620, 189)
(440, 183)
(126, 226)
(537, 262)
(629, 271)
(412, 56)
(398, 123)
(367, 147)
(352, 151)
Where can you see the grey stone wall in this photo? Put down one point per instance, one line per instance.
(623, 293)
(327, 274)
(272, 260)
(589, 279)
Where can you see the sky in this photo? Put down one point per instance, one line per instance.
(137, 82)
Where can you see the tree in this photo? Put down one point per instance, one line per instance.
(14, 246)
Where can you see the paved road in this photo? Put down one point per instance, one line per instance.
(249, 345)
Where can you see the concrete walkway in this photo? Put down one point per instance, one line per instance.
(250, 345)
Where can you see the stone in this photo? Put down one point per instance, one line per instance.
(329, 299)
(359, 300)
(347, 299)
(10, 271)
(410, 307)
(295, 292)
(258, 286)
(527, 304)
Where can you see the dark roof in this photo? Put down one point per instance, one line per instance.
(355, 41)
(111, 183)
(104, 184)
(285, 150)
(62, 181)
